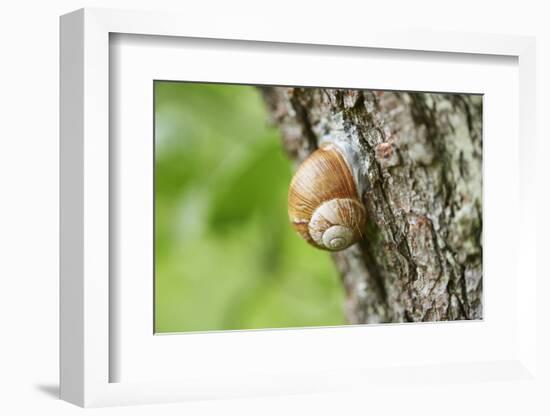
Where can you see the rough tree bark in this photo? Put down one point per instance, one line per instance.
(421, 258)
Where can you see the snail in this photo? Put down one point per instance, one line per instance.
(323, 200)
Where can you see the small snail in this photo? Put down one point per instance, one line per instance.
(323, 201)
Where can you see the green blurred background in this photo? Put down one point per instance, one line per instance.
(226, 255)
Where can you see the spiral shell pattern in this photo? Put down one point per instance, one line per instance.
(323, 204)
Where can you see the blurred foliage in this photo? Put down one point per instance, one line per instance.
(226, 256)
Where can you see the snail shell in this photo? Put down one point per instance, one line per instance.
(323, 203)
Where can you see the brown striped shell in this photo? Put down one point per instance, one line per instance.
(323, 204)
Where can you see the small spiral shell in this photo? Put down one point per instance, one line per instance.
(323, 204)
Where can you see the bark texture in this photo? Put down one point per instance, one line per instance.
(421, 258)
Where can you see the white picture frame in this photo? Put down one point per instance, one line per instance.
(90, 315)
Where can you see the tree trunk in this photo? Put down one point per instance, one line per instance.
(421, 256)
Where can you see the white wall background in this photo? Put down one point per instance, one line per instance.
(29, 197)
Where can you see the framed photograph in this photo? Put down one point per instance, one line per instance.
(269, 212)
